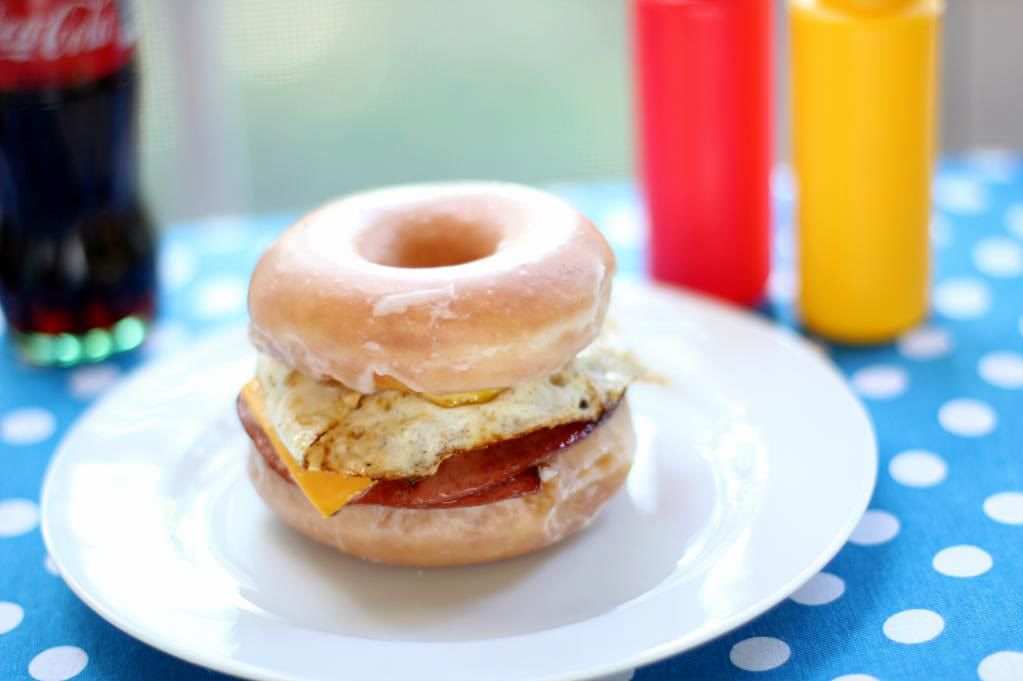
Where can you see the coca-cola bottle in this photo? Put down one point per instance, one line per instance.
(77, 270)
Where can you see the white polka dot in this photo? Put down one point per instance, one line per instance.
(913, 626)
(219, 297)
(926, 342)
(1005, 507)
(784, 243)
(783, 184)
(917, 468)
(994, 165)
(959, 195)
(178, 266)
(855, 677)
(962, 298)
(880, 382)
(622, 225)
(224, 234)
(941, 231)
(760, 653)
(50, 566)
(999, 257)
(27, 426)
(1014, 220)
(166, 337)
(781, 285)
(58, 664)
(17, 516)
(967, 417)
(1002, 369)
(89, 381)
(875, 527)
(822, 588)
(962, 561)
(1005, 665)
(11, 615)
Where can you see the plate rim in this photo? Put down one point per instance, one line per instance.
(648, 655)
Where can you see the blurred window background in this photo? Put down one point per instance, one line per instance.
(270, 106)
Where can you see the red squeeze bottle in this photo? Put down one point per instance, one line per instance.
(703, 74)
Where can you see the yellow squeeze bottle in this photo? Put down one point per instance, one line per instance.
(864, 83)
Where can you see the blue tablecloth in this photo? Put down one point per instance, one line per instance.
(930, 587)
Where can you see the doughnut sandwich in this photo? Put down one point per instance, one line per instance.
(433, 386)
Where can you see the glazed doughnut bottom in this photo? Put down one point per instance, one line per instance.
(578, 482)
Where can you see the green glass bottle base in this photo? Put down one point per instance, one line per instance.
(65, 349)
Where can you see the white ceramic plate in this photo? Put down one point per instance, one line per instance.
(754, 465)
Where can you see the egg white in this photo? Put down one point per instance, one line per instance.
(390, 434)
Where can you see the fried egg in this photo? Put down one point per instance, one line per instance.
(391, 434)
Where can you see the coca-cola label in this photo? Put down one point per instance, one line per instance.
(62, 42)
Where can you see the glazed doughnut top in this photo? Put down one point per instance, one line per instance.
(442, 288)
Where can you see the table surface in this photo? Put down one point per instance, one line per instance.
(929, 586)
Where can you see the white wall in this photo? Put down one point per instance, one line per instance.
(266, 105)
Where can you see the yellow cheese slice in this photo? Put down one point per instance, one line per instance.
(327, 491)
(450, 400)
(447, 400)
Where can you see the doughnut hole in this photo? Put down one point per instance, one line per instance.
(428, 239)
